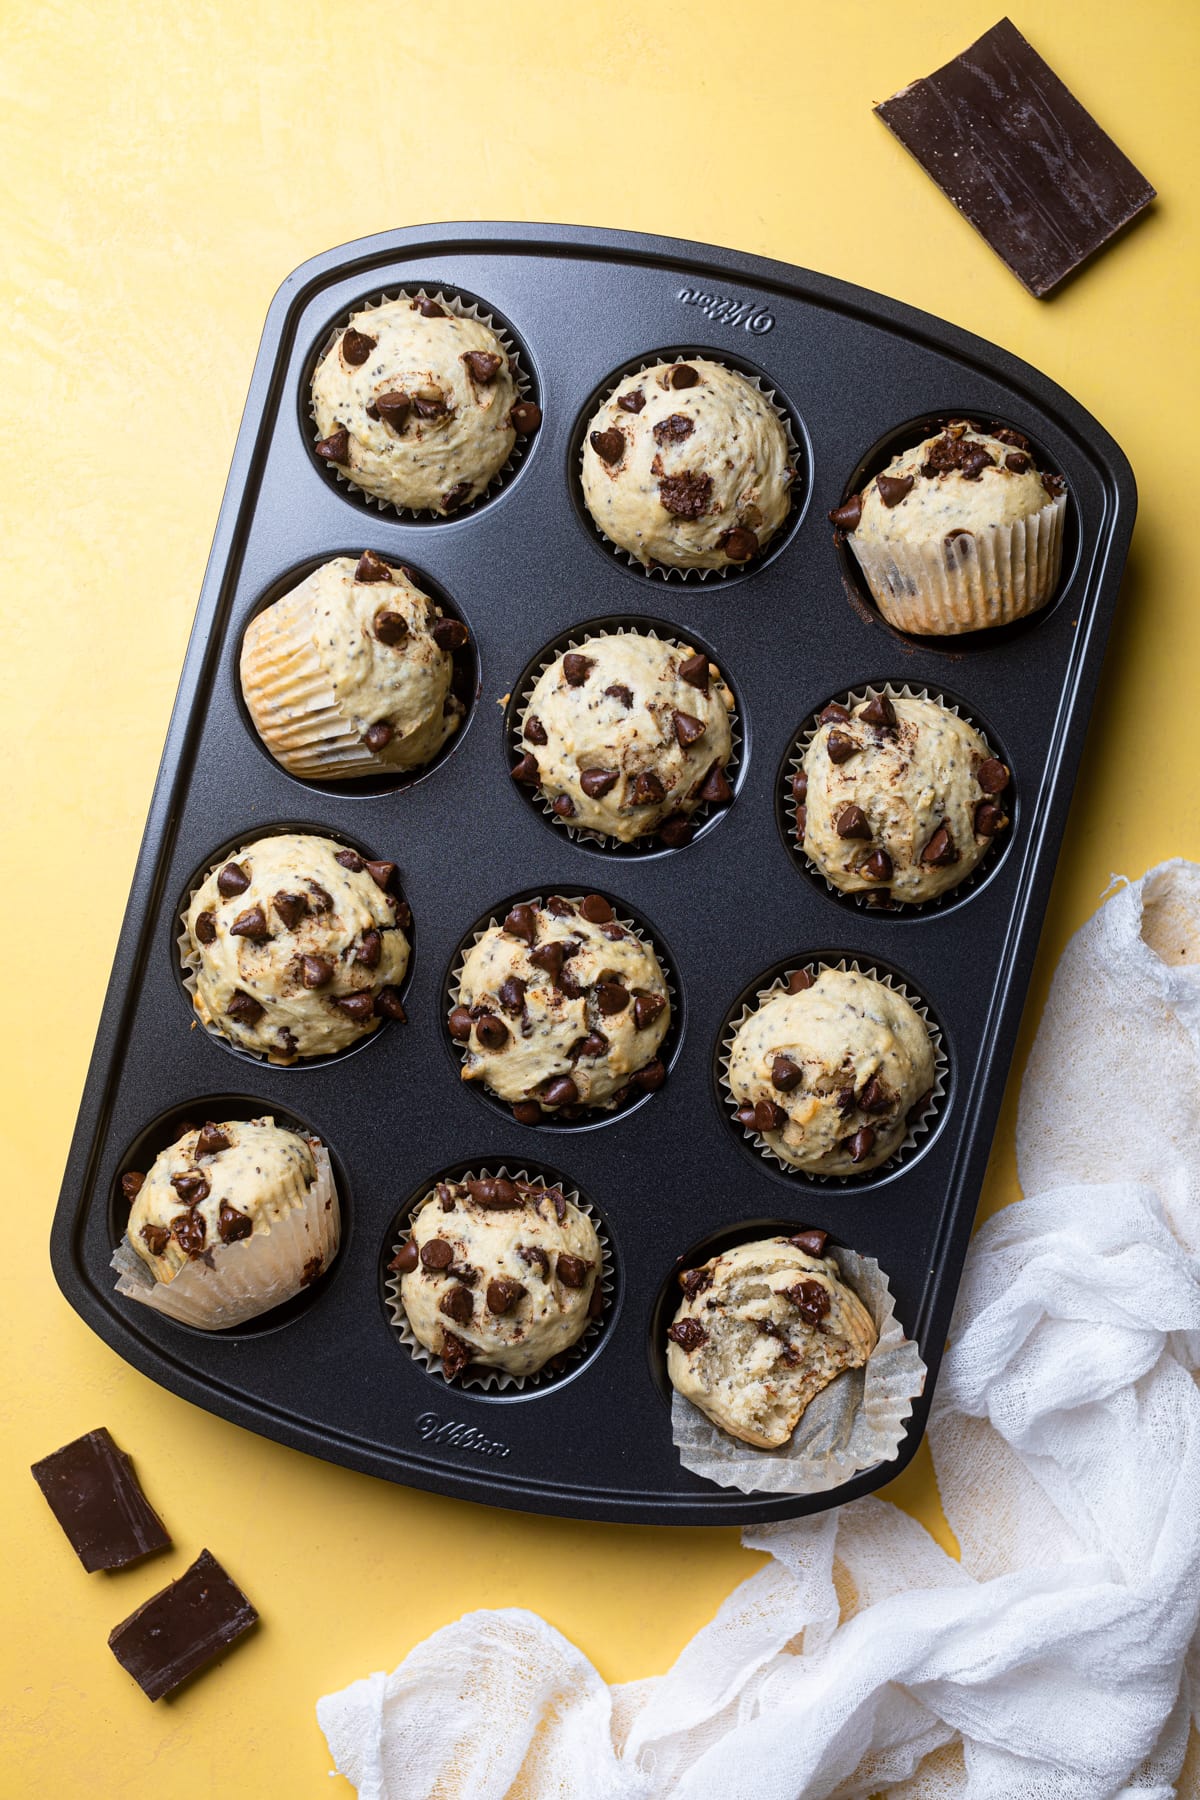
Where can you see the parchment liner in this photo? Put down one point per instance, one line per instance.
(232, 1283)
(483, 1379)
(462, 309)
(856, 1422)
(917, 1126)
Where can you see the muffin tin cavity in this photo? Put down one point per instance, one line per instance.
(798, 444)
(653, 844)
(227, 851)
(167, 1129)
(484, 1383)
(903, 437)
(658, 1070)
(452, 299)
(464, 683)
(925, 1121)
(880, 904)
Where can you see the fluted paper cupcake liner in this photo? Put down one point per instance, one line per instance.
(669, 571)
(477, 1376)
(986, 577)
(605, 839)
(463, 310)
(865, 898)
(917, 1126)
(856, 1422)
(229, 1284)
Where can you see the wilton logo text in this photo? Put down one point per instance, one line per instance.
(730, 312)
(434, 1430)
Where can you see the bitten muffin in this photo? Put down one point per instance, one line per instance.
(231, 1220)
(503, 1274)
(418, 406)
(295, 947)
(961, 532)
(627, 735)
(828, 1072)
(761, 1330)
(898, 797)
(351, 673)
(560, 1008)
(687, 465)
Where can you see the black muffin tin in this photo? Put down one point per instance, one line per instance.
(859, 374)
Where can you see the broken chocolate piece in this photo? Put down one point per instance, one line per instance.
(97, 1499)
(183, 1628)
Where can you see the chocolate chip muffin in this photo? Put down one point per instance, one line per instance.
(762, 1328)
(898, 798)
(686, 465)
(353, 673)
(961, 532)
(497, 1273)
(561, 1007)
(295, 947)
(628, 735)
(231, 1220)
(828, 1070)
(418, 406)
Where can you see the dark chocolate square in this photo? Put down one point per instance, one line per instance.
(1019, 156)
(182, 1629)
(96, 1498)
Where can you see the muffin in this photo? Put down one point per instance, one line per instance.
(231, 1220)
(827, 1071)
(898, 798)
(498, 1273)
(628, 735)
(687, 465)
(351, 673)
(961, 532)
(418, 406)
(762, 1328)
(295, 947)
(560, 1008)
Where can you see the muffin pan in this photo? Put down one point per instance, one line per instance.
(525, 569)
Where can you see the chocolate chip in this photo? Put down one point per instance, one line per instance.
(618, 691)
(834, 714)
(460, 1024)
(452, 499)
(458, 1304)
(632, 402)
(132, 1184)
(595, 909)
(437, 1254)
(861, 1144)
(232, 1225)
(1017, 462)
(785, 1074)
(432, 405)
(800, 786)
(1053, 484)
(450, 634)
(560, 1092)
(388, 1005)
(290, 908)
(359, 1007)
(874, 1097)
(564, 806)
(810, 1299)
(572, 1271)
(798, 980)
(852, 822)
(533, 730)
(686, 496)
(377, 737)
(188, 1231)
(369, 567)
(840, 747)
(848, 515)
(989, 819)
(526, 771)
(940, 850)
(992, 775)
(455, 1355)
(745, 1117)
(768, 1116)
(811, 1242)
(491, 1032)
(846, 1101)
(739, 543)
(156, 1238)
(647, 789)
(673, 429)
(879, 711)
(405, 1259)
(484, 365)
(356, 346)
(577, 668)
(369, 949)
(550, 958)
(193, 1186)
(689, 1334)
(527, 1112)
(952, 451)
(211, 1141)
(594, 1044)
(336, 447)
(536, 1257)
(716, 789)
(522, 922)
(695, 1281)
(1007, 435)
(232, 880)
(597, 782)
(893, 488)
(243, 1008)
(651, 1078)
(319, 900)
(609, 445)
(688, 729)
(611, 997)
(646, 1008)
(503, 1294)
(877, 866)
(393, 408)
(695, 671)
(381, 873)
(512, 995)
(205, 928)
(525, 417)
(676, 831)
(428, 309)
(495, 1193)
(681, 375)
(316, 971)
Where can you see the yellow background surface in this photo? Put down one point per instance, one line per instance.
(162, 167)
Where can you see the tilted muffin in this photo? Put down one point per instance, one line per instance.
(561, 1007)
(827, 1071)
(231, 1220)
(961, 532)
(295, 947)
(761, 1330)
(503, 1274)
(627, 735)
(687, 465)
(418, 406)
(350, 674)
(898, 797)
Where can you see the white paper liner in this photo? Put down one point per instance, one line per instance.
(635, 930)
(863, 898)
(482, 1378)
(454, 304)
(231, 1283)
(917, 1126)
(853, 1424)
(646, 840)
(986, 578)
(670, 571)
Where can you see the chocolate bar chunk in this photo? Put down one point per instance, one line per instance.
(95, 1496)
(1018, 156)
(182, 1629)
